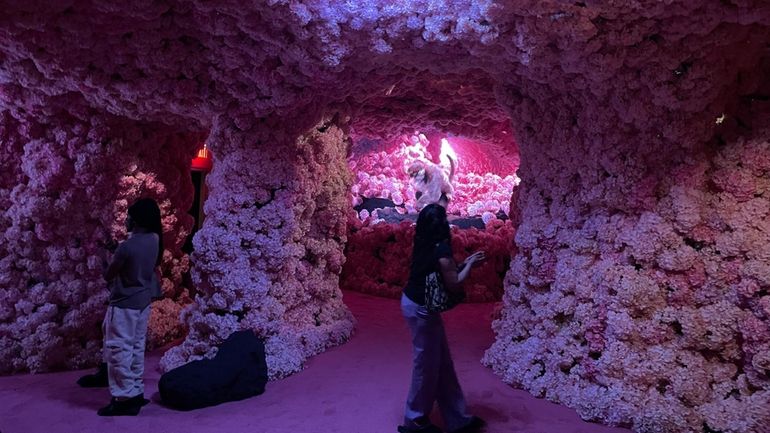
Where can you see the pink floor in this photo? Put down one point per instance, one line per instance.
(358, 387)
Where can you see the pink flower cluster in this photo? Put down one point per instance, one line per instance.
(270, 253)
(66, 186)
(382, 174)
(379, 256)
(480, 194)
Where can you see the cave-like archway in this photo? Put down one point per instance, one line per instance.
(482, 176)
(638, 294)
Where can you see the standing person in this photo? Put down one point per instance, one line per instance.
(134, 284)
(433, 373)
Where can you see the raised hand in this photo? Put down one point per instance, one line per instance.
(475, 257)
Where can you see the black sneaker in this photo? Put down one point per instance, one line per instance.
(473, 426)
(129, 407)
(96, 380)
(139, 400)
(428, 428)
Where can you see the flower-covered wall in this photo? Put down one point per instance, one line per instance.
(637, 289)
(640, 289)
(69, 175)
(269, 255)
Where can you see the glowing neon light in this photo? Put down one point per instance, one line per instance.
(446, 150)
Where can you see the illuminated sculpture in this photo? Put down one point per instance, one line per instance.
(432, 184)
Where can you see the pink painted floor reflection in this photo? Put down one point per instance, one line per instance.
(358, 387)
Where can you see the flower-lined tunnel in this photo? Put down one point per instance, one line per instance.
(381, 230)
(637, 289)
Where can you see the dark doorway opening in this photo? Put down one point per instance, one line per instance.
(196, 210)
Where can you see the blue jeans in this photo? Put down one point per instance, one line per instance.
(433, 373)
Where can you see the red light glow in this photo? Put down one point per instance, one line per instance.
(203, 161)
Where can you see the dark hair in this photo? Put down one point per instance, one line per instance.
(145, 213)
(432, 228)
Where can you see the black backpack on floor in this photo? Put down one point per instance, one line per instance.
(237, 371)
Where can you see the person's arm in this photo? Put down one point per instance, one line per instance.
(451, 276)
(113, 269)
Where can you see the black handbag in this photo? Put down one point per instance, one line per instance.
(437, 298)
